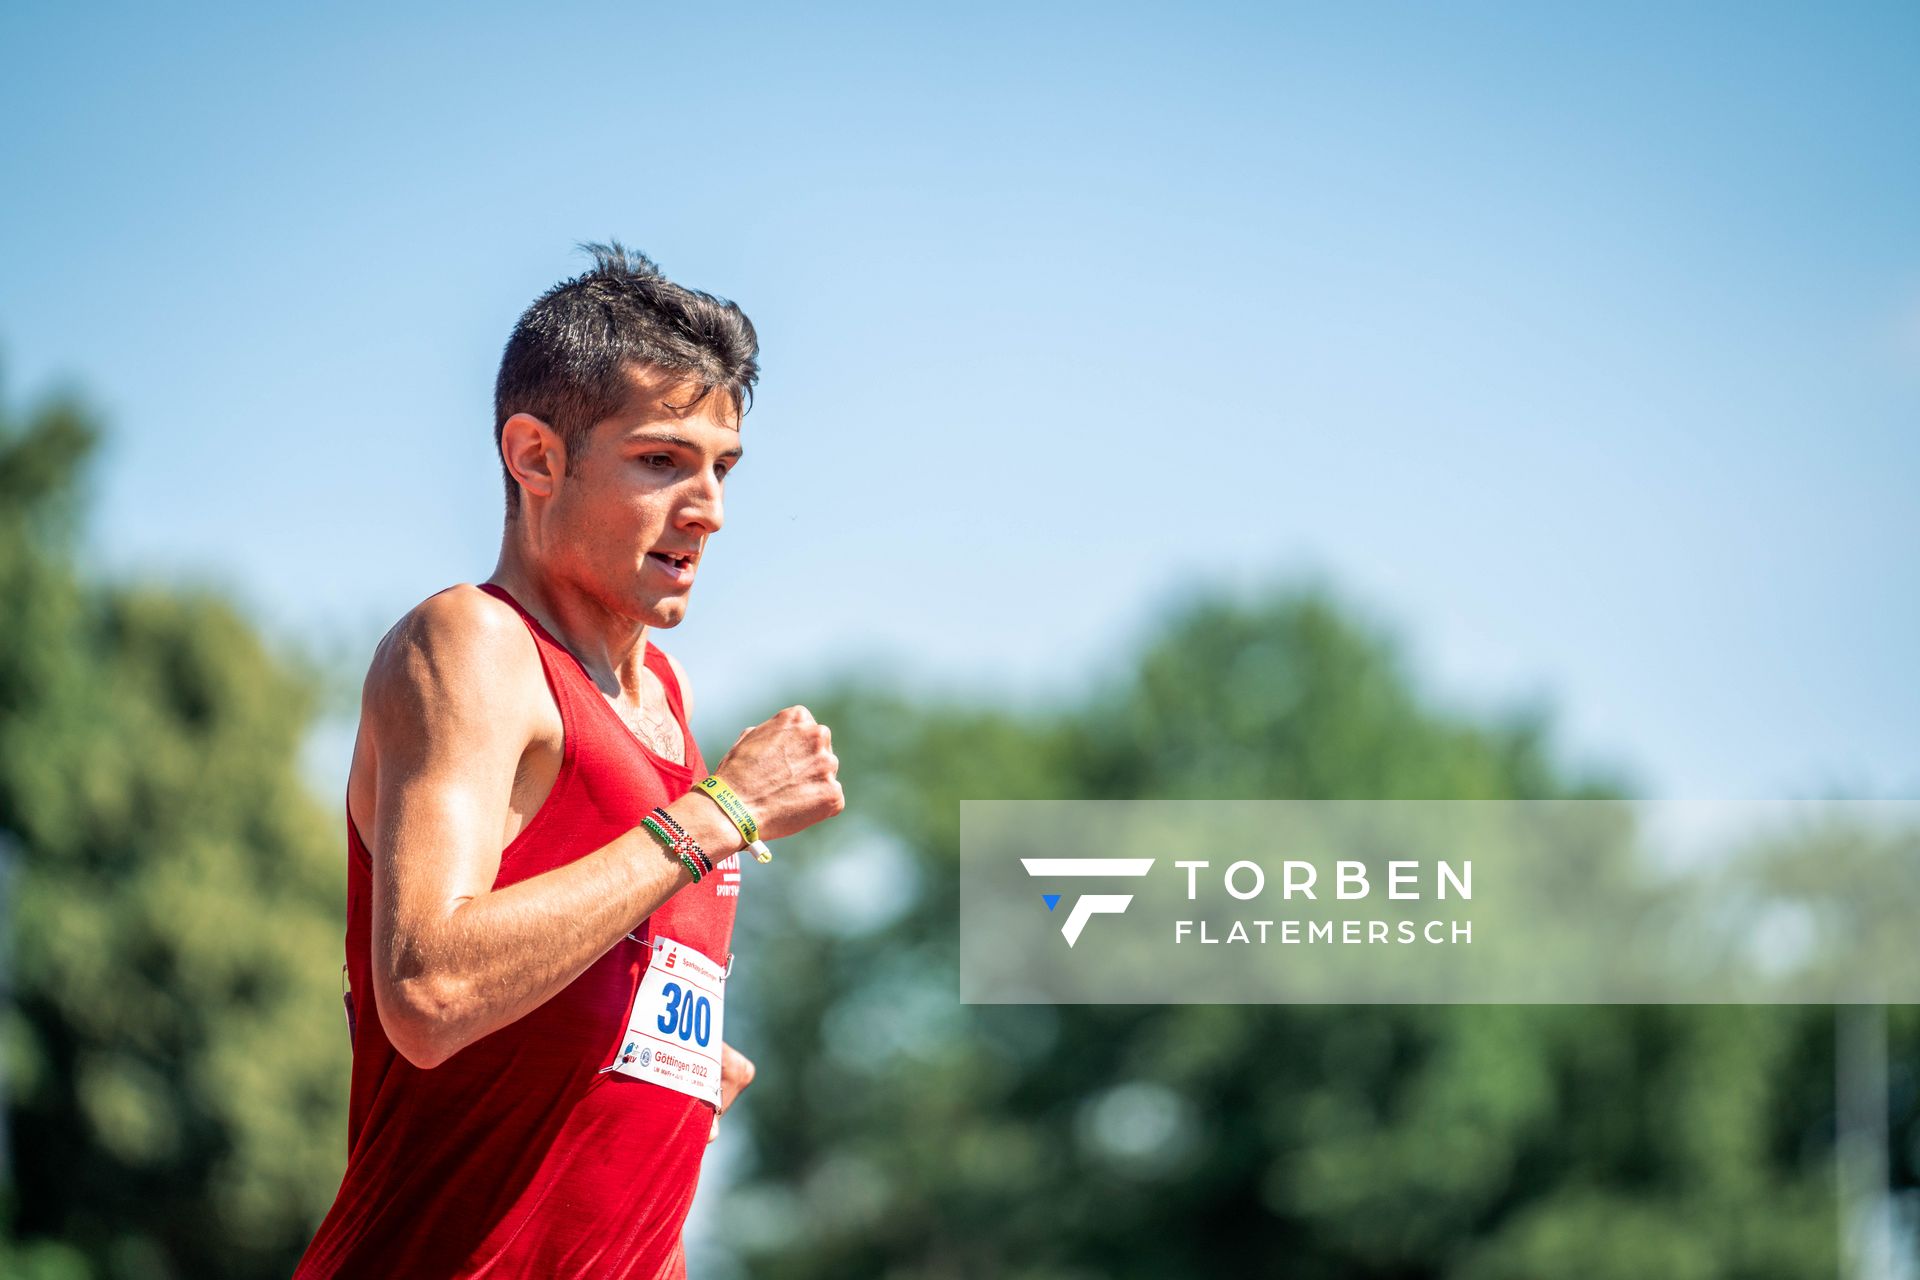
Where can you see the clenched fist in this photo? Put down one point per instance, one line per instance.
(785, 772)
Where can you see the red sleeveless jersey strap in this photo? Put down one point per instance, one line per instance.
(662, 667)
(533, 624)
(580, 683)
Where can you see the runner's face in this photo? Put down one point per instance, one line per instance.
(647, 495)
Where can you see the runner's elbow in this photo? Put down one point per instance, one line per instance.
(422, 1053)
(424, 1018)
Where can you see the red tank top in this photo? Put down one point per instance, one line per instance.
(518, 1156)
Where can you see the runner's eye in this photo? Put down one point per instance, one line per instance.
(657, 460)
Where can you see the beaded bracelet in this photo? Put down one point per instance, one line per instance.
(666, 842)
(683, 841)
(672, 846)
(682, 838)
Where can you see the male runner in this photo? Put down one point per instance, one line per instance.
(536, 973)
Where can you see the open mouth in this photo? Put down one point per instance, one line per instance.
(676, 565)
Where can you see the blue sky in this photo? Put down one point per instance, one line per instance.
(1582, 348)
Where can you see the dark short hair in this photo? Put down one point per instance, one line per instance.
(569, 358)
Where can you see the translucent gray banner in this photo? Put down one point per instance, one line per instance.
(1439, 902)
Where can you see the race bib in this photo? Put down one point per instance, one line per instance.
(673, 1033)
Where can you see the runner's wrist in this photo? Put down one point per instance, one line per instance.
(715, 788)
(708, 825)
(663, 841)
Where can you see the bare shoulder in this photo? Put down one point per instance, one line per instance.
(460, 655)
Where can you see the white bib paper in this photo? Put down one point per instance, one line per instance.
(673, 1033)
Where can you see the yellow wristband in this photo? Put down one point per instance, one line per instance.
(729, 803)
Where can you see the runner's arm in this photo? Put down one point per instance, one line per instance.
(448, 699)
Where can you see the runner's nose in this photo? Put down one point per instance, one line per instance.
(704, 506)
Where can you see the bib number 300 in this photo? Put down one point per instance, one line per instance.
(689, 1015)
(673, 1033)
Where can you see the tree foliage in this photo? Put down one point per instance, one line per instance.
(896, 1132)
(176, 1053)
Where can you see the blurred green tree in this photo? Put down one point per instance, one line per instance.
(175, 1070)
(895, 1132)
